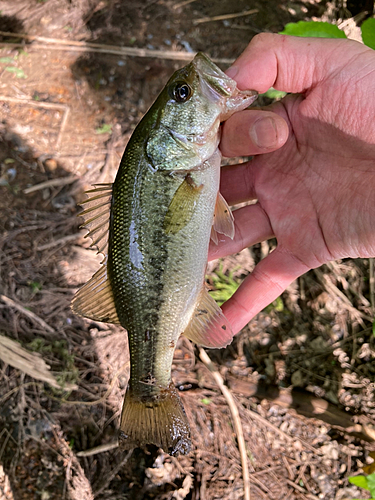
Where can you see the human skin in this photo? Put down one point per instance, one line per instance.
(313, 172)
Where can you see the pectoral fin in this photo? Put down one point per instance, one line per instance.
(208, 326)
(223, 219)
(182, 206)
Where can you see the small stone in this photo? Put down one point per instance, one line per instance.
(50, 164)
(297, 379)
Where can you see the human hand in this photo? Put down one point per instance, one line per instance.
(316, 193)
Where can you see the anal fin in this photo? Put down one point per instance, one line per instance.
(208, 326)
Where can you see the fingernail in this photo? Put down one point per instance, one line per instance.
(264, 133)
(232, 71)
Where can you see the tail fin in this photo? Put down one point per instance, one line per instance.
(160, 421)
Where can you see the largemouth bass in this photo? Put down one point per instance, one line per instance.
(153, 226)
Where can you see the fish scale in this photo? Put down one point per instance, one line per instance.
(154, 226)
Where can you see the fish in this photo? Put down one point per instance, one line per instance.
(153, 225)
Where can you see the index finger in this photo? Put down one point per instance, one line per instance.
(268, 280)
(288, 63)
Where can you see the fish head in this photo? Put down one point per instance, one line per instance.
(188, 112)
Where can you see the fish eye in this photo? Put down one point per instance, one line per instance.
(182, 92)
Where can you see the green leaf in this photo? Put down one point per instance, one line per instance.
(206, 401)
(274, 94)
(17, 71)
(224, 285)
(373, 328)
(368, 32)
(371, 483)
(313, 29)
(279, 304)
(360, 481)
(35, 286)
(104, 129)
(6, 60)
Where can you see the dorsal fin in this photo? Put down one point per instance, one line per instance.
(96, 216)
(223, 219)
(95, 299)
(208, 326)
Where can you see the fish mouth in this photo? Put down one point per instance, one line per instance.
(214, 76)
(220, 88)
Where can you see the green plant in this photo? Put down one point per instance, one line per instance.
(322, 30)
(277, 305)
(224, 285)
(368, 32)
(365, 482)
(206, 401)
(328, 30)
(58, 349)
(313, 29)
(35, 286)
(6, 60)
(17, 71)
(104, 129)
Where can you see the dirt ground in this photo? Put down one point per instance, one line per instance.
(301, 373)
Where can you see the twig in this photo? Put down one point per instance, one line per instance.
(37, 104)
(62, 127)
(301, 490)
(116, 134)
(98, 449)
(15, 305)
(335, 268)
(105, 395)
(61, 241)
(182, 4)
(236, 419)
(113, 474)
(345, 301)
(77, 46)
(45, 105)
(224, 16)
(16, 389)
(372, 284)
(289, 439)
(44, 443)
(8, 436)
(121, 51)
(62, 181)
(30, 363)
(21, 160)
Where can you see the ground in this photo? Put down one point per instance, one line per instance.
(300, 374)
